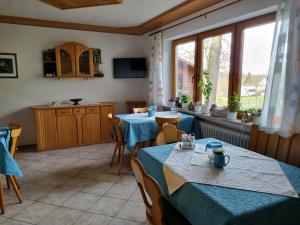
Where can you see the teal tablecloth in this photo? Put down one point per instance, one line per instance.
(213, 205)
(8, 165)
(143, 128)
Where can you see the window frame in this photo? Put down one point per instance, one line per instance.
(236, 59)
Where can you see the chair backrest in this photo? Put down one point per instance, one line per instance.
(162, 120)
(283, 149)
(14, 138)
(140, 110)
(149, 187)
(135, 104)
(169, 134)
(116, 129)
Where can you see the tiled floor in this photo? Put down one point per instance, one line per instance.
(74, 186)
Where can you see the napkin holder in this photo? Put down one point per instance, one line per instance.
(188, 142)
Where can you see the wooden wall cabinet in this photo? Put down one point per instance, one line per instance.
(60, 127)
(74, 60)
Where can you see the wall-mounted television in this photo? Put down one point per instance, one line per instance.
(130, 68)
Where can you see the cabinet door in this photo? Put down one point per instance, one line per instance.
(66, 130)
(84, 61)
(105, 122)
(91, 128)
(46, 134)
(65, 60)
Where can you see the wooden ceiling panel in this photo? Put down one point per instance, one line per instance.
(178, 12)
(72, 4)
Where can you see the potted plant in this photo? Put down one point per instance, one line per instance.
(185, 100)
(233, 106)
(197, 106)
(206, 89)
(256, 113)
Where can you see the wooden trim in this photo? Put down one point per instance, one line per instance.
(63, 4)
(174, 45)
(70, 26)
(178, 12)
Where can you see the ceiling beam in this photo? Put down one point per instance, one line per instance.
(178, 12)
(74, 4)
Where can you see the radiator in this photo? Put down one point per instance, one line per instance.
(238, 138)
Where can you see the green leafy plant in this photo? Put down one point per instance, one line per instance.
(185, 98)
(206, 87)
(255, 112)
(234, 103)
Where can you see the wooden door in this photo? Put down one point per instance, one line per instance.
(65, 60)
(67, 130)
(91, 125)
(46, 134)
(84, 61)
(105, 122)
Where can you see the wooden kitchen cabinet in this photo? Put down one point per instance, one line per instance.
(65, 60)
(60, 127)
(84, 61)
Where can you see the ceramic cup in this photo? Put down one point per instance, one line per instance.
(219, 160)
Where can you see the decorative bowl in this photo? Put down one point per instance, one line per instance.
(76, 101)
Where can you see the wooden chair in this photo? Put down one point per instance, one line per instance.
(169, 134)
(135, 104)
(283, 149)
(159, 211)
(117, 137)
(161, 121)
(140, 110)
(11, 180)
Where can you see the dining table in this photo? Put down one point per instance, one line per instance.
(139, 127)
(214, 204)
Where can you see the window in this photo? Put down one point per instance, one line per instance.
(185, 53)
(236, 58)
(257, 46)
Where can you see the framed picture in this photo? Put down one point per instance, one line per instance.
(8, 65)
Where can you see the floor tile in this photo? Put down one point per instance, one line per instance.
(121, 191)
(134, 211)
(53, 180)
(75, 184)
(127, 179)
(13, 208)
(98, 188)
(58, 196)
(62, 216)
(82, 201)
(35, 213)
(2, 219)
(108, 178)
(93, 219)
(117, 221)
(107, 206)
(14, 222)
(137, 196)
(34, 191)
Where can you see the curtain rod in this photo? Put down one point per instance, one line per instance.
(195, 17)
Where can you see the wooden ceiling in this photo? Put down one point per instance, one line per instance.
(72, 4)
(178, 12)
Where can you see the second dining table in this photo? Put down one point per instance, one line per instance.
(139, 127)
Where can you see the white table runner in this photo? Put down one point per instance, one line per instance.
(246, 170)
(165, 114)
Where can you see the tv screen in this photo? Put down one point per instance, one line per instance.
(130, 68)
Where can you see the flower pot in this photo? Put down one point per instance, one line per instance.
(231, 115)
(173, 104)
(197, 108)
(185, 106)
(205, 109)
(256, 119)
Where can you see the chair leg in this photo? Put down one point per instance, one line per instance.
(2, 210)
(121, 159)
(16, 181)
(114, 154)
(7, 182)
(11, 180)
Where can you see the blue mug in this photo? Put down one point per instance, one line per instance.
(219, 160)
(151, 112)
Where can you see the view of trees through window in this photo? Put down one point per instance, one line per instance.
(245, 72)
(216, 62)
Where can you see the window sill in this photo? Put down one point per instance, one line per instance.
(223, 122)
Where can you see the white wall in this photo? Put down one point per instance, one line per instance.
(237, 12)
(17, 95)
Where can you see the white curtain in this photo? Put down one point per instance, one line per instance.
(281, 111)
(156, 95)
